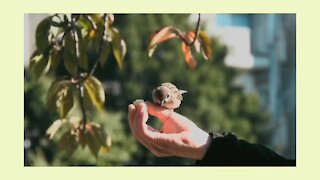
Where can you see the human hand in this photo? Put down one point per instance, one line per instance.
(178, 136)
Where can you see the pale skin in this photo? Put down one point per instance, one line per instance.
(179, 136)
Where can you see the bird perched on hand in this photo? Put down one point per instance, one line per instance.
(168, 95)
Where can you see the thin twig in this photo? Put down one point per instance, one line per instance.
(82, 80)
(183, 36)
(92, 23)
(197, 30)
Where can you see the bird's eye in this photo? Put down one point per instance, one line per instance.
(168, 96)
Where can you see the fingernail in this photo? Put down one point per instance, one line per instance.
(131, 107)
(137, 106)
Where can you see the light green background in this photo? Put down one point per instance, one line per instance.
(12, 106)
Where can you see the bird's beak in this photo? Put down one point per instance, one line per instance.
(162, 102)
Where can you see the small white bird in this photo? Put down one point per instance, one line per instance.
(168, 95)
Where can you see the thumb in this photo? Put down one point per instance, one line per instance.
(160, 112)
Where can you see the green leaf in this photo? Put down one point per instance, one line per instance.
(102, 137)
(55, 59)
(42, 33)
(32, 61)
(93, 143)
(87, 100)
(118, 46)
(83, 59)
(60, 97)
(51, 131)
(95, 91)
(38, 65)
(79, 33)
(65, 101)
(205, 45)
(69, 41)
(97, 139)
(58, 24)
(85, 24)
(97, 39)
(105, 51)
(82, 139)
(68, 142)
(82, 49)
(97, 18)
(106, 148)
(70, 62)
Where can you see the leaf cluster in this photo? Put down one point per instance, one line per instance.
(80, 42)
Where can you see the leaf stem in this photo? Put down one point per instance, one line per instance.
(83, 111)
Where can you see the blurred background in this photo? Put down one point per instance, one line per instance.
(248, 87)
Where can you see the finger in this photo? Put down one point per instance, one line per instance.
(143, 129)
(162, 113)
(159, 153)
(155, 141)
(166, 114)
(132, 110)
(146, 133)
(152, 129)
(137, 118)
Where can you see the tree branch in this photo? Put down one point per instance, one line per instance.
(78, 82)
(104, 35)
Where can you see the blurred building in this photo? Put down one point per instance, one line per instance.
(265, 44)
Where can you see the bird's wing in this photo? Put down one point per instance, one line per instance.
(178, 95)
